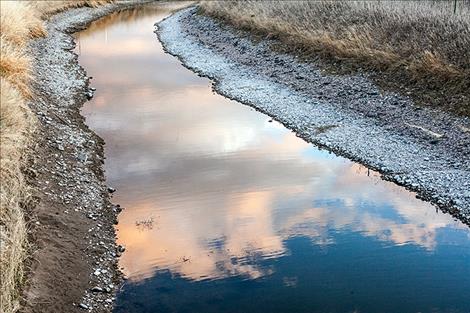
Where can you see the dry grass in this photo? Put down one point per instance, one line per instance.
(21, 21)
(15, 66)
(49, 7)
(420, 43)
(16, 125)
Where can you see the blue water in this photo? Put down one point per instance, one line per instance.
(226, 211)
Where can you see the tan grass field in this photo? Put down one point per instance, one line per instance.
(418, 42)
(21, 21)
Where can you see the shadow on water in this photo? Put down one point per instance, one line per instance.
(226, 211)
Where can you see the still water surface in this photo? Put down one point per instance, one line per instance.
(226, 211)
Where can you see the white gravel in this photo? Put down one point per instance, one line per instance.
(76, 175)
(434, 171)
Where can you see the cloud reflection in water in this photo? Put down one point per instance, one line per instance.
(223, 187)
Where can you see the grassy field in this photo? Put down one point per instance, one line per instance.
(21, 21)
(421, 46)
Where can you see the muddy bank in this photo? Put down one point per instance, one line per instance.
(427, 151)
(73, 261)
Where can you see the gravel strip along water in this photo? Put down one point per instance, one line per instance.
(426, 151)
(73, 263)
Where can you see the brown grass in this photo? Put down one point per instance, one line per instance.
(420, 44)
(49, 7)
(21, 21)
(15, 66)
(16, 125)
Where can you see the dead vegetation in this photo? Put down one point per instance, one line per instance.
(21, 21)
(421, 46)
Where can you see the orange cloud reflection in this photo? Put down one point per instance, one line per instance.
(216, 185)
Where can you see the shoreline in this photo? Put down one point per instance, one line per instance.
(73, 262)
(73, 256)
(424, 150)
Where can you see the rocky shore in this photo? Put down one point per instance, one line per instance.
(425, 150)
(73, 262)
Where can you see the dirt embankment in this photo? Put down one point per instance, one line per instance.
(73, 266)
(423, 149)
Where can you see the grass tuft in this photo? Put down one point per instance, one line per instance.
(16, 126)
(15, 66)
(49, 7)
(20, 22)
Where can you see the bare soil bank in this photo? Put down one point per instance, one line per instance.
(73, 262)
(423, 149)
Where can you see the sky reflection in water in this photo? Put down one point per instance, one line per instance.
(228, 212)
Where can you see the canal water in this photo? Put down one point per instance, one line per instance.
(228, 211)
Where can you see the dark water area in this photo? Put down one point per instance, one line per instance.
(228, 211)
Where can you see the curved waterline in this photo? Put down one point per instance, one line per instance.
(227, 211)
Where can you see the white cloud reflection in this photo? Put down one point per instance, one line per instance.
(223, 187)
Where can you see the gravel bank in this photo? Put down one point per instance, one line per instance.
(426, 151)
(73, 263)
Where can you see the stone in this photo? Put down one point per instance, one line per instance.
(97, 289)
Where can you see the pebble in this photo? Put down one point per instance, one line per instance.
(97, 289)
(70, 181)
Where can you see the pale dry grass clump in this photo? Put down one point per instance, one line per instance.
(49, 7)
(21, 21)
(15, 65)
(422, 41)
(19, 24)
(16, 125)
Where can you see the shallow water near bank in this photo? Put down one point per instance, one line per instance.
(228, 211)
